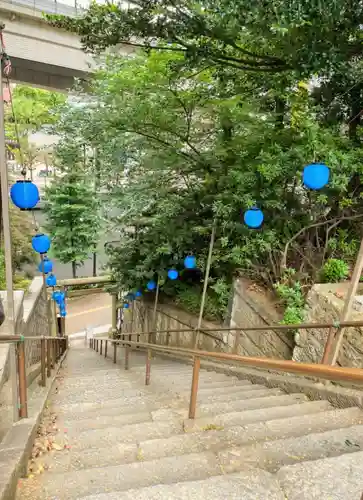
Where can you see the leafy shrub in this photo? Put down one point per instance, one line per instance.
(290, 292)
(334, 270)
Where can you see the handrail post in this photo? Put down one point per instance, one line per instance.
(101, 346)
(49, 358)
(23, 406)
(328, 346)
(148, 367)
(43, 362)
(127, 357)
(194, 389)
(106, 345)
(237, 337)
(114, 352)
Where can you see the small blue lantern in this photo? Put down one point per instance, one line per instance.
(63, 314)
(51, 280)
(56, 296)
(173, 274)
(316, 176)
(46, 265)
(151, 285)
(126, 305)
(190, 262)
(138, 293)
(253, 217)
(41, 243)
(24, 194)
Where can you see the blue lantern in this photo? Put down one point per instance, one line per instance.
(24, 194)
(151, 285)
(316, 176)
(41, 243)
(190, 262)
(56, 296)
(63, 314)
(253, 217)
(46, 265)
(51, 280)
(138, 293)
(126, 305)
(59, 297)
(173, 274)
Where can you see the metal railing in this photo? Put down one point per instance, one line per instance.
(51, 350)
(321, 371)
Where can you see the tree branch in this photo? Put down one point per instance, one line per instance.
(316, 224)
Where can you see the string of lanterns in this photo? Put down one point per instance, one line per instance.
(315, 176)
(25, 195)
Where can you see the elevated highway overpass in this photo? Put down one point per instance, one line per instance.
(42, 55)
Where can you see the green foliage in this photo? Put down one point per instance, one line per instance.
(334, 270)
(290, 291)
(268, 37)
(184, 137)
(72, 209)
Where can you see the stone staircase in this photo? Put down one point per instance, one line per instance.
(106, 436)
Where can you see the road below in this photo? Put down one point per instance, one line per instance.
(89, 311)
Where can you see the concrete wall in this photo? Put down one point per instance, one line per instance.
(254, 306)
(324, 304)
(251, 306)
(31, 320)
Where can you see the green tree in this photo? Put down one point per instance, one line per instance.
(72, 210)
(182, 153)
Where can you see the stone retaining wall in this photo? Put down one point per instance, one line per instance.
(324, 304)
(251, 306)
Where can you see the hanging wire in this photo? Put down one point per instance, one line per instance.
(7, 67)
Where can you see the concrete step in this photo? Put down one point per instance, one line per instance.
(124, 405)
(230, 394)
(97, 421)
(70, 485)
(248, 485)
(117, 385)
(208, 439)
(257, 401)
(205, 391)
(215, 438)
(67, 460)
(338, 478)
(238, 418)
(273, 455)
(106, 437)
(84, 396)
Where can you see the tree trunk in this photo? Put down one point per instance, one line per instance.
(74, 269)
(95, 263)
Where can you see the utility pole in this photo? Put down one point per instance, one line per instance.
(10, 309)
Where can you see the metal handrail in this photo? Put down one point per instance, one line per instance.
(308, 369)
(297, 326)
(286, 366)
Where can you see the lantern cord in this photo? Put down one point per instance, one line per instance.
(7, 67)
(7, 70)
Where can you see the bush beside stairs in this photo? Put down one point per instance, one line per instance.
(106, 436)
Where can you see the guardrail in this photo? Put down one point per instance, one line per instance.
(305, 369)
(51, 349)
